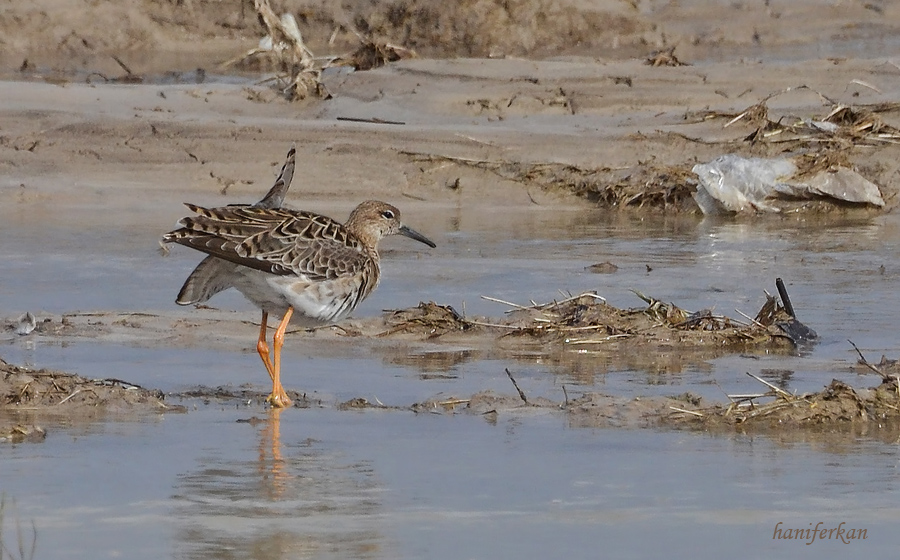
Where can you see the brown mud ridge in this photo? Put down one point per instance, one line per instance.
(836, 405)
(29, 398)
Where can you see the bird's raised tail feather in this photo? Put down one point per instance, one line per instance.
(275, 197)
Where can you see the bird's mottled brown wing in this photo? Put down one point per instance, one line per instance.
(275, 240)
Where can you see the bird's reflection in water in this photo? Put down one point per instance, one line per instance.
(271, 464)
(290, 498)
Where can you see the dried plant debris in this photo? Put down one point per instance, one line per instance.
(430, 318)
(836, 403)
(843, 126)
(300, 76)
(22, 433)
(643, 186)
(588, 321)
(886, 367)
(128, 78)
(817, 166)
(300, 72)
(373, 54)
(665, 57)
(23, 388)
(729, 184)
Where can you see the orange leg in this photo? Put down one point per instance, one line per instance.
(279, 398)
(263, 348)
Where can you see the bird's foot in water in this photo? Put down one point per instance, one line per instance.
(279, 399)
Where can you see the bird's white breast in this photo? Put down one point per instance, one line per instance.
(314, 302)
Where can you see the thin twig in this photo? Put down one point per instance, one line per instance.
(496, 300)
(675, 408)
(749, 318)
(373, 120)
(866, 363)
(453, 402)
(572, 298)
(454, 159)
(769, 409)
(128, 70)
(496, 325)
(69, 397)
(865, 84)
(476, 140)
(599, 340)
(516, 385)
(778, 390)
(748, 397)
(723, 390)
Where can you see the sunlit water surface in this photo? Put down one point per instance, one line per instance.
(324, 483)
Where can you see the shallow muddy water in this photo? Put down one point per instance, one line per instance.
(329, 484)
(325, 483)
(92, 173)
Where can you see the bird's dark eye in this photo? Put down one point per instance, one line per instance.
(388, 214)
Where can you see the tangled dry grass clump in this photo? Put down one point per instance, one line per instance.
(837, 403)
(643, 186)
(844, 127)
(21, 388)
(373, 54)
(428, 317)
(299, 72)
(587, 320)
(837, 407)
(300, 75)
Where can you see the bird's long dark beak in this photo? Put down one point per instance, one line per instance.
(413, 234)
